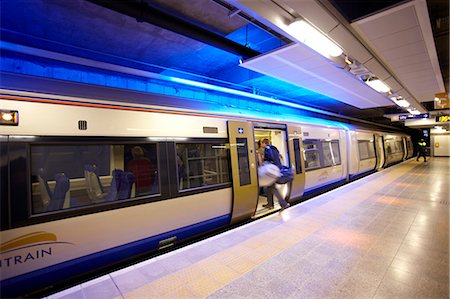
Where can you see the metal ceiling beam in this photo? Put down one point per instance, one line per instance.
(142, 12)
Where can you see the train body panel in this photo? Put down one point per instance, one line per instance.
(76, 237)
(63, 120)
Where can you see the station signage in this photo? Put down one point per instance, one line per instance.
(442, 118)
(442, 101)
(410, 116)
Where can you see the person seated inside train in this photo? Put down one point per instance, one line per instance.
(143, 170)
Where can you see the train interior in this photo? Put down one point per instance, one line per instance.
(277, 137)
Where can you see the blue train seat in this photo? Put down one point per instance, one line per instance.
(60, 194)
(126, 185)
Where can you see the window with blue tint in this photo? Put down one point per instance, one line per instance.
(202, 164)
(69, 176)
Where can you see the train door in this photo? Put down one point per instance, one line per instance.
(244, 170)
(380, 151)
(277, 135)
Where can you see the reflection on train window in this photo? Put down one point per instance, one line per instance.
(336, 152)
(67, 176)
(202, 164)
(366, 149)
(312, 156)
(327, 156)
(399, 146)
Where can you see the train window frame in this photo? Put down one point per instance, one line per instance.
(319, 147)
(370, 154)
(24, 202)
(175, 191)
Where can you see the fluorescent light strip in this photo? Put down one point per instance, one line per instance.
(378, 85)
(313, 38)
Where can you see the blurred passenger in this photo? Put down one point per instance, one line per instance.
(272, 155)
(143, 170)
(422, 150)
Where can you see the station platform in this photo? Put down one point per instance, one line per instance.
(383, 236)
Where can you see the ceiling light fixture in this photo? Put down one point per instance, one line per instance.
(348, 61)
(378, 85)
(403, 103)
(413, 111)
(313, 38)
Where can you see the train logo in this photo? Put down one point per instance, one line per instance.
(27, 248)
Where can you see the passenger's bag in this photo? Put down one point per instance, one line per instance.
(287, 175)
(268, 173)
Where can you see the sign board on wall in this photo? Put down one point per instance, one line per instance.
(441, 101)
(442, 118)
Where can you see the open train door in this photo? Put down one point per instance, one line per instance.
(244, 170)
(296, 159)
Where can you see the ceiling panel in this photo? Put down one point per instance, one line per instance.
(387, 23)
(401, 39)
(325, 77)
(377, 69)
(405, 51)
(351, 45)
(398, 39)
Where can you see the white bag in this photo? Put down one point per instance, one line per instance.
(268, 173)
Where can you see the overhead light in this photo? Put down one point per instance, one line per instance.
(378, 85)
(413, 111)
(348, 61)
(313, 38)
(402, 103)
(437, 99)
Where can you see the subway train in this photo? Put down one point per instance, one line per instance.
(85, 186)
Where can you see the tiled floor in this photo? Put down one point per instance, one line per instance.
(384, 236)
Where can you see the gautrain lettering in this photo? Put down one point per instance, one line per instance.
(24, 258)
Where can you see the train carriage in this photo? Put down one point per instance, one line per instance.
(85, 188)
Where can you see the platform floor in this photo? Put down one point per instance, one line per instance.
(383, 236)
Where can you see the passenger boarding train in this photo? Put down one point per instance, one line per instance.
(85, 186)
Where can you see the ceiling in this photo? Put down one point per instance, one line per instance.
(206, 39)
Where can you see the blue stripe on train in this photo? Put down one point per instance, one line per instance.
(39, 279)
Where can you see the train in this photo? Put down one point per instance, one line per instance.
(87, 185)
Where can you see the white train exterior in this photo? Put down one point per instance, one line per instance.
(56, 228)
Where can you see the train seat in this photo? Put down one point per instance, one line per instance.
(126, 185)
(114, 188)
(94, 187)
(60, 197)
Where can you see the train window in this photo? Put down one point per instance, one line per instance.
(298, 161)
(327, 156)
(366, 150)
(399, 146)
(336, 152)
(363, 150)
(244, 165)
(312, 155)
(66, 176)
(202, 164)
